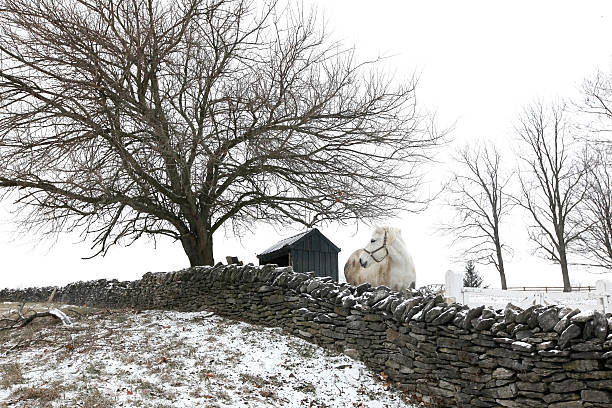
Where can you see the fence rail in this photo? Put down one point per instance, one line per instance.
(552, 288)
(598, 297)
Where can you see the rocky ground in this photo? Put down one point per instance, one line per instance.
(170, 359)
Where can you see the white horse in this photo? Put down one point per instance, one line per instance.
(384, 261)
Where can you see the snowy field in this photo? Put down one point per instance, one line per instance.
(171, 359)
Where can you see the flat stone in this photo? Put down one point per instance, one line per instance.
(428, 306)
(445, 317)
(505, 392)
(601, 384)
(600, 327)
(433, 313)
(528, 386)
(566, 386)
(561, 325)
(413, 303)
(583, 317)
(567, 404)
(502, 373)
(314, 284)
(551, 397)
(399, 310)
(563, 312)
(581, 365)
(361, 289)
(548, 319)
(572, 331)
(532, 322)
(483, 324)
(588, 330)
(472, 314)
(554, 353)
(602, 397)
(372, 317)
(529, 377)
(587, 355)
(522, 346)
(510, 313)
(349, 301)
(448, 342)
(523, 334)
(378, 295)
(591, 375)
(488, 314)
(524, 316)
(587, 346)
(498, 327)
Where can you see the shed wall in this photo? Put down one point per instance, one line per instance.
(312, 253)
(322, 263)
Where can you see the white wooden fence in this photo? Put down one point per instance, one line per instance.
(598, 299)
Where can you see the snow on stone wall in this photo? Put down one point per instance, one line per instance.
(451, 354)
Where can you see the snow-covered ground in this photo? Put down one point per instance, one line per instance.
(171, 359)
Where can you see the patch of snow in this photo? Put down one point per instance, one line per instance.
(62, 316)
(176, 359)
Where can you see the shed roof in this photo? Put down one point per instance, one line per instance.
(288, 242)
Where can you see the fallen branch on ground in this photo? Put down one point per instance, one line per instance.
(23, 320)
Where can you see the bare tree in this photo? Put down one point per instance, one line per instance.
(478, 197)
(551, 183)
(123, 119)
(595, 216)
(597, 104)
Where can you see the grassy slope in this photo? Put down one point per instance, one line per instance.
(170, 359)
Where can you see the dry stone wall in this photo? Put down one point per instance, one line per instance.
(451, 355)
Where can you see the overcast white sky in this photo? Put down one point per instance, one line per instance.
(478, 62)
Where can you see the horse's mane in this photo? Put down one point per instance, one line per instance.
(393, 233)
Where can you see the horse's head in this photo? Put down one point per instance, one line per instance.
(377, 250)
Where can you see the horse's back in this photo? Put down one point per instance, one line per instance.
(375, 274)
(406, 278)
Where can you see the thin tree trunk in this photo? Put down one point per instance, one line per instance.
(502, 273)
(199, 250)
(567, 287)
(500, 258)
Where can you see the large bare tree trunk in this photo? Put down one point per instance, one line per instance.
(199, 250)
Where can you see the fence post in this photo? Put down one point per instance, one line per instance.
(604, 287)
(453, 289)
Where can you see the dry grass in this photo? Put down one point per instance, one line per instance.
(92, 398)
(10, 374)
(41, 395)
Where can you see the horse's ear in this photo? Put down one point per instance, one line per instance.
(393, 233)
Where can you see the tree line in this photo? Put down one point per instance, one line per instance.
(560, 181)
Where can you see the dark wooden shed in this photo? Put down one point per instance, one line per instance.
(309, 251)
